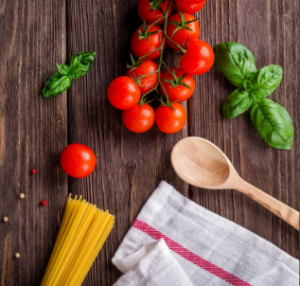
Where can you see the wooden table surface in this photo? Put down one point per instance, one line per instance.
(35, 35)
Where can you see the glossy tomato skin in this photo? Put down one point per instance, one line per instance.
(189, 8)
(138, 119)
(78, 160)
(170, 121)
(191, 2)
(145, 12)
(148, 82)
(179, 93)
(123, 93)
(182, 35)
(143, 46)
(198, 58)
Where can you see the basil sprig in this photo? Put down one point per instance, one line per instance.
(270, 119)
(79, 65)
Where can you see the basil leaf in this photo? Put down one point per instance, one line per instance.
(63, 69)
(273, 124)
(56, 85)
(81, 63)
(235, 61)
(266, 80)
(236, 103)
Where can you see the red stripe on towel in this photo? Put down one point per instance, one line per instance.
(190, 256)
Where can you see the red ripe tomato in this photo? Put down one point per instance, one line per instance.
(123, 93)
(178, 84)
(170, 121)
(149, 79)
(183, 29)
(78, 160)
(138, 119)
(149, 12)
(198, 58)
(188, 8)
(191, 2)
(148, 43)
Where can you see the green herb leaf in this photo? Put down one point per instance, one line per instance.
(237, 103)
(63, 69)
(273, 124)
(56, 85)
(235, 61)
(266, 80)
(80, 64)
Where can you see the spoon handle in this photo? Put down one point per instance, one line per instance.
(278, 208)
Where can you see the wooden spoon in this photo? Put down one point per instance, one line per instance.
(202, 164)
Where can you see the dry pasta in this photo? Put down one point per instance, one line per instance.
(82, 233)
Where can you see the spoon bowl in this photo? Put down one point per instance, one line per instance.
(202, 164)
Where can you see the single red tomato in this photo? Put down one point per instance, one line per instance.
(148, 10)
(178, 84)
(148, 43)
(180, 29)
(149, 77)
(188, 8)
(198, 58)
(123, 93)
(168, 120)
(78, 160)
(191, 2)
(138, 119)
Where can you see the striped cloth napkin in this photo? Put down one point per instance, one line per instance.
(175, 242)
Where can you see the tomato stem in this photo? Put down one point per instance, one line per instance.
(161, 62)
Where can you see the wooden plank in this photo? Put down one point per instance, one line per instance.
(270, 30)
(130, 166)
(33, 132)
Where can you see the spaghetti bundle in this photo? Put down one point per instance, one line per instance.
(82, 233)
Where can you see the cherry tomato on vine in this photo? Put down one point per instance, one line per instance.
(144, 42)
(78, 160)
(123, 93)
(144, 75)
(191, 2)
(170, 121)
(138, 119)
(148, 10)
(198, 58)
(182, 27)
(188, 8)
(178, 84)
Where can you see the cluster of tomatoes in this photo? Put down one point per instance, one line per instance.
(181, 32)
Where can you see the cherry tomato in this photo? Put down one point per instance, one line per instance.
(184, 29)
(138, 119)
(191, 2)
(147, 70)
(149, 12)
(198, 58)
(78, 160)
(123, 93)
(179, 85)
(144, 46)
(170, 121)
(188, 8)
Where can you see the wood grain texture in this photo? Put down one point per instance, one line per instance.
(33, 133)
(35, 35)
(270, 29)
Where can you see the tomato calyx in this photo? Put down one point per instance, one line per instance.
(134, 63)
(176, 80)
(143, 101)
(155, 4)
(144, 34)
(168, 103)
(182, 24)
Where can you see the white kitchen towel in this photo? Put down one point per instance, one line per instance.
(209, 249)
